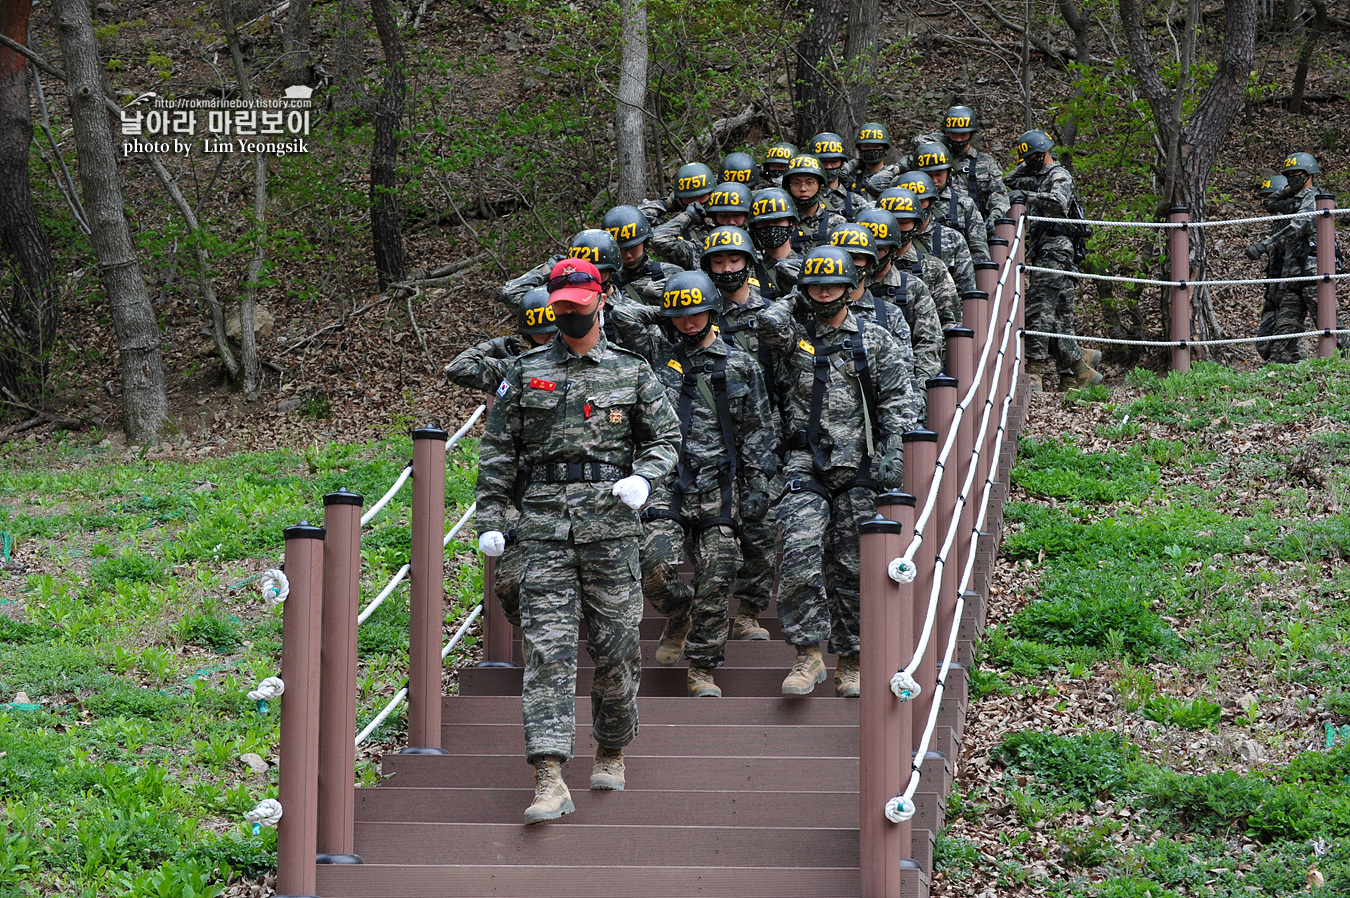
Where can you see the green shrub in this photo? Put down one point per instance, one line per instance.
(1085, 767)
(129, 566)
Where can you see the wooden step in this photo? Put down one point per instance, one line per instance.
(571, 838)
(664, 739)
(419, 881)
(670, 681)
(750, 711)
(638, 807)
(734, 774)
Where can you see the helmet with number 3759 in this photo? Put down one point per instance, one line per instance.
(689, 293)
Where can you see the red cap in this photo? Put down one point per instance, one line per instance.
(562, 289)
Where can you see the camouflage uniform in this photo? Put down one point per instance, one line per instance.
(958, 211)
(819, 513)
(814, 230)
(946, 243)
(872, 306)
(779, 276)
(514, 290)
(1274, 269)
(660, 210)
(694, 513)
(645, 282)
(572, 426)
(1297, 244)
(986, 186)
(868, 184)
(1049, 297)
(680, 239)
(844, 201)
(906, 287)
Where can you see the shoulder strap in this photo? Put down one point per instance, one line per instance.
(879, 308)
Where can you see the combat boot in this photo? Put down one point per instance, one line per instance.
(607, 774)
(1082, 376)
(806, 672)
(700, 683)
(745, 626)
(847, 682)
(551, 798)
(1091, 357)
(672, 641)
(1035, 371)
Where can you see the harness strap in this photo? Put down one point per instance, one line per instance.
(696, 379)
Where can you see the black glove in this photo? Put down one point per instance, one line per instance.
(1256, 251)
(891, 471)
(754, 499)
(1017, 196)
(510, 345)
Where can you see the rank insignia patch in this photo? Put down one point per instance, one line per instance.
(615, 416)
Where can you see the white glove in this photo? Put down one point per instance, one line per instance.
(633, 491)
(492, 543)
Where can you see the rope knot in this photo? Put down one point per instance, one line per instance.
(275, 587)
(905, 686)
(902, 571)
(899, 809)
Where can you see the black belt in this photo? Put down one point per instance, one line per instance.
(577, 472)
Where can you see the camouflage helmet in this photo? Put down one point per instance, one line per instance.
(882, 225)
(903, 204)
(932, 156)
(689, 293)
(1303, 162)
(627, 225)
(597, 247)
(693, 180)
(857, 240)
(740, 168)
(828, 265)
(1272, 184)
(960, 120)
(828, 146)
(772, 204)
(778, 156)
(536, 316)
(729, 196)
(920, 183)
(1033, 143)
(806, 165)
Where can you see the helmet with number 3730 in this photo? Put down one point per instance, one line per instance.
(828, 265)
(689, 293)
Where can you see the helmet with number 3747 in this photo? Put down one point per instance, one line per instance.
(828, 265)
(689, 293)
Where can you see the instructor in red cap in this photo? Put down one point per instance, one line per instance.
(586, 428)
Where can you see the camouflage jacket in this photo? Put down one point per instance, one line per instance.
(842, 436)
(844, 201)
(1049, 192)
(868, 184)
(915, 299)
(947, 244)
(554, 406)
(1296, 239)
(645, 282)
(778, 277)
(658, 211)
(704, 455)
(814, 230)
(680, 240)
(986, 187)
(483, 367)
(871, 306)
(514, 290)
(959, 212)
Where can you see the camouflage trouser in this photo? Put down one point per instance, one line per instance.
(754, 582)
(561, 582)
(506, 572)
(1050, 302)
(716, 556)
(818, 591)
(1295, 303)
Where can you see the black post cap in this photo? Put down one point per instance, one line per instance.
(303, 530)
(990, 265)
(975, 294)
(879, 524)
(895, 497)
(997, 241)
(942, 380)
(343, 496)
(920, 434)
(1325, 196)
(344, 859)
(1176, 210)
(958, 333)
(430, 433)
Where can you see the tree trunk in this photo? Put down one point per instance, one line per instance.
(631, 102)
(144, 401)
(348, 72)
(1319, 27)
(860, 54)
(384, 215)
(1082, 52)
(817, 91)
(248, 337)
(1194, 144)
(28, 321)
(297, 64)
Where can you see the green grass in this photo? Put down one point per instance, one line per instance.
(140, 633)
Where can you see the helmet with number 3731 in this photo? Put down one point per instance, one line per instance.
(828, 265)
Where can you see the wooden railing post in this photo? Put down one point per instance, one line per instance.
(1326, 266)
(298, 751)
(426, 592)
(337, 690)
(1179, 246)
(921, 451)
(960, 365)
(881, 844)
(497, 630)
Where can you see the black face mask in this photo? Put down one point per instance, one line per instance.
(827, 310)
(730, 281)
(1034, 163)
(803, 205)
(692, 340)
(576, 324)
(770, 236)
(872, 155)
(956, 145)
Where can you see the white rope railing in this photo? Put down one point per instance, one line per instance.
(454, 531)
(1228, 341)
(473, 419)
(384, 500)
(403, 693)
(384, 594)
(1167, 225)
(1236, 282)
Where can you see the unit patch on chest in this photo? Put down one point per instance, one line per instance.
(616, 416)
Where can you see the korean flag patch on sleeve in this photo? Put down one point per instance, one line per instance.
(503, 390)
